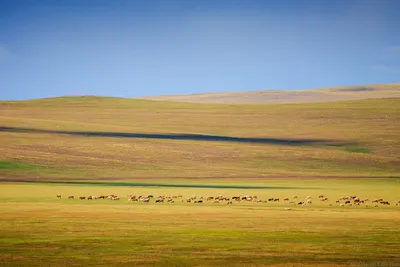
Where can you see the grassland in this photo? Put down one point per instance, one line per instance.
(342, 93)
(37, 229)
(98, 146)
(91, 137)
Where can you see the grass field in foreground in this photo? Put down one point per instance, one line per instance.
(37, 229)
(94, 137)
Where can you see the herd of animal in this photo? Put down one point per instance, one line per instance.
(342, 201)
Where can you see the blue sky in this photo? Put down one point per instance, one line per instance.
(156, 47)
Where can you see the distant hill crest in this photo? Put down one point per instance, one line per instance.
(340, 93)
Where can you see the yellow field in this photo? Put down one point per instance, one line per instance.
(37, 229)
(90, 146)
(105, 137)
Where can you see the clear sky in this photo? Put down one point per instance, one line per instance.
(139, 48)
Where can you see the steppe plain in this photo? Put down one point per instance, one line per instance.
(93, 146)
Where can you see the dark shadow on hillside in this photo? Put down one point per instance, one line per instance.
(186, 137)
(355, 89)
(138, 184)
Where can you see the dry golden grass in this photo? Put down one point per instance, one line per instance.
(37, 229)
(368, 126)
(290, 96)
(130, 147)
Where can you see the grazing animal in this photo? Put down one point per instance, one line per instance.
(71, 197)
(89, 198)
(286, 199)
(82, 198)
(58, 196)
(229, 203)
(133, 198)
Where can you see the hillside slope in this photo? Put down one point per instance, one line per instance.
(95, 137)
(289, 96)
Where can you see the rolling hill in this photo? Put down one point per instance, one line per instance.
(98, 138)
(289, 96)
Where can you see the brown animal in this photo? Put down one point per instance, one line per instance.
(82, 198)
(58, 196)
(71, 197)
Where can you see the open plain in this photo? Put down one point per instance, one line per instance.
(92, 146)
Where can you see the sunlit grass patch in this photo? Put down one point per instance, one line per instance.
(105, 232)
(14, 165)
